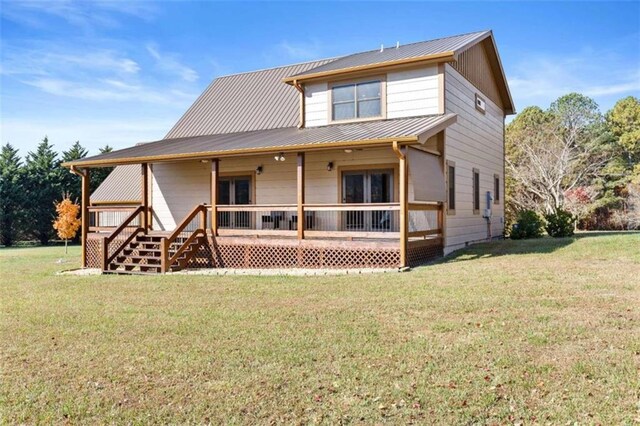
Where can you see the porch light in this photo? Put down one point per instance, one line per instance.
(348, 151)
(259, 170)
(279, 157)
(330, 166)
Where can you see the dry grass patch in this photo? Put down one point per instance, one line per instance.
(532, 331)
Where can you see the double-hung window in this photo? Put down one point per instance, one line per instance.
(356, 100)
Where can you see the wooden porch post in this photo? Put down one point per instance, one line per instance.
(86, 175)
(213, 183)
(404, 203)
(300, 195)
(144, 195)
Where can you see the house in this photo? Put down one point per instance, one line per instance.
(385, 158)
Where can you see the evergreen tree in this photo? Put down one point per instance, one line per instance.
(11, 195)
(43, 189)
(98, 175)
(71, 183)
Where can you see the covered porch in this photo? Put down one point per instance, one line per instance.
(355, 205)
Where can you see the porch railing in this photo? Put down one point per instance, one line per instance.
(425, 220)
(374, 220)
(121, 236)
(108, 218)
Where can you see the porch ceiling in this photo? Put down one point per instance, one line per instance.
(406, 130)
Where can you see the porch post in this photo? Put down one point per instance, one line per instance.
(300, 195)
(213, 183)
(144, 195)
(404, 213)
(85, 215)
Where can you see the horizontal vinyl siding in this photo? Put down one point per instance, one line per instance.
(412, 93)
(316, 105)
(178, 187)
(475, 141)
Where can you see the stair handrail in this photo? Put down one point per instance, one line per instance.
(167, 261)
(106, 240)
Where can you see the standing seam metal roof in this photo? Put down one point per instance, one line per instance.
(122, 184)
(388, 54)
(244, 102)
(212, 145)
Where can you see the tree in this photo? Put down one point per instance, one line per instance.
(624, 121)
(43, 184)
(67, 223)
(554, 151)
(98, 175)
(70, 182)
(11, 195)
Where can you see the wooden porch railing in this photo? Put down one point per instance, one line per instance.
(193, 226)
(371, 220)
(108, 218)
(125, 233)
(425, 220)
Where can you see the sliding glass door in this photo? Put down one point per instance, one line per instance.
(235, 190)
(367, 186)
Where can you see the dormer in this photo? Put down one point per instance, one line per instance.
(396, 82)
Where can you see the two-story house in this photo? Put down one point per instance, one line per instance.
(385, 158)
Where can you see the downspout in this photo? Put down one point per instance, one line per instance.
(300, 89)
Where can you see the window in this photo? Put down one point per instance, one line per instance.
(496, 189)
(476, 191)
(451, 187)
(356, 100)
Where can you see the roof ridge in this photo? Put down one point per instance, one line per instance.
(418, 42)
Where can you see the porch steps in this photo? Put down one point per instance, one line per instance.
(143, 256)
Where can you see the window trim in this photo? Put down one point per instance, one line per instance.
(496, 189)
(451, 211)
(476, 190)
(344, 82)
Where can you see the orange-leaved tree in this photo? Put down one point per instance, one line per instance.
(67, 223)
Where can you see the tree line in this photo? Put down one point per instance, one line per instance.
(30, 189)
(572, 158)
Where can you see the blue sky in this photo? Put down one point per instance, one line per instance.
(120, 72)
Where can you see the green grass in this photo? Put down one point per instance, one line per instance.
(541, 331)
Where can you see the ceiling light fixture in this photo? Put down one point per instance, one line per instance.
(279, 157)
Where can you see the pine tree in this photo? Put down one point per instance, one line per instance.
(98, 175)
(71, 183)
(11, 195)
(43, 186)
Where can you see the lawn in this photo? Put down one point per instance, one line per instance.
(541, 331)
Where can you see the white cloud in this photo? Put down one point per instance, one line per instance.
(170, 64)
(301, 51)
(83, 14)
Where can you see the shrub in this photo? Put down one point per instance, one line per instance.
(560, 224)
(528, 225)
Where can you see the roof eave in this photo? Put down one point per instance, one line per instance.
(447, 56)
(241, 152)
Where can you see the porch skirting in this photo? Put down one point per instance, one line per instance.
(264, 253)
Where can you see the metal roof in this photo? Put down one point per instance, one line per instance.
(291, 138)
(244, 102)
(122, 184)
(393, 53)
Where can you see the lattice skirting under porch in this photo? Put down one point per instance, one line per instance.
(255, 253)
(94, 250)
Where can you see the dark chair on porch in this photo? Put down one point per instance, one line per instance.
(309, 221)
(272, 220)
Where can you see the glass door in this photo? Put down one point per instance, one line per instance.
(367, 186)
(234, 190)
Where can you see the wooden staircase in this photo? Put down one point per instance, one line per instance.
(143, 255)
(147, 252)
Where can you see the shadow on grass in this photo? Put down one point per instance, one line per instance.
(543, 245)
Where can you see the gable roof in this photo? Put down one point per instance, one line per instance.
(244, 102)
(413, 130)
(447, 46)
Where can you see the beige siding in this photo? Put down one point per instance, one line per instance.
(316, 105)
(412, 93)
(178, 187)
(409, 93)
(475, 141)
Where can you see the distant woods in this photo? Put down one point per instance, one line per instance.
(571, 157)
(30, 189)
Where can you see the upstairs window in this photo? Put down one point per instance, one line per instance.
(356, 100)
